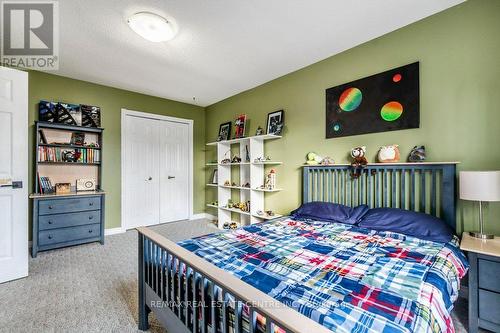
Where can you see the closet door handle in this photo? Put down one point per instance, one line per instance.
(149, 178)
(171, 177)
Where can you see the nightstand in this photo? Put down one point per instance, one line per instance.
(484, 282)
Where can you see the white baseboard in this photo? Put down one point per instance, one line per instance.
(113, 231)
(203, 216)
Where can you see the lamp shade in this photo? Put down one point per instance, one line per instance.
(480, 185)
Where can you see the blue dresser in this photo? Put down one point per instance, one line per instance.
(60, 220)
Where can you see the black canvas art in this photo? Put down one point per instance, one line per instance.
(382, 102)
(91, 116)
(47, 111)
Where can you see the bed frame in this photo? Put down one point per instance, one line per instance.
(179, 287)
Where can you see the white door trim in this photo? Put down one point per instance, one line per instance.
(189, 122)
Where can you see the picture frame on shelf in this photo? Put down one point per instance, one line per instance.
(215, 176)
(239, 126)
(275, 122)
(224, 131)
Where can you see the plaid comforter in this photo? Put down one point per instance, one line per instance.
(347, 278)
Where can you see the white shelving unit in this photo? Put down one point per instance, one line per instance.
(249, 172)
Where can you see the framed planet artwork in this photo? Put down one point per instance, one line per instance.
(387, 101)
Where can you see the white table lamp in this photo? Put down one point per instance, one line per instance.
(480, 186)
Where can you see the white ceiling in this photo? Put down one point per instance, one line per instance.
(223, 47)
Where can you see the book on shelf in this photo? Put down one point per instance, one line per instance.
(79, 155)
(45, 185)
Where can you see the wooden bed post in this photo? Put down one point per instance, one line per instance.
(143, 308)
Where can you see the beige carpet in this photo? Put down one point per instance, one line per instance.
(93, 288)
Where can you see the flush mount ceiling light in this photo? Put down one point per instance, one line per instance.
(152, 27)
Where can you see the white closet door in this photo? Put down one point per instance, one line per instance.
(142, 181)
(174, 171)
(13, 168)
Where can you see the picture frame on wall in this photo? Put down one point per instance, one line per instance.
(215, 176)
(239, 126)
(275, 122)
(224, 131)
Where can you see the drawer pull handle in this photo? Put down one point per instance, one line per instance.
(91, 217)
(50, 222)
(91, 203)
(50, 236)
(50, 207)
(90, 231)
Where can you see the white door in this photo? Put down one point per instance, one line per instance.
(174, 171)
(157, 166)
(141, 176)
(13, 174)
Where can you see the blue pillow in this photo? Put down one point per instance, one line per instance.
(407, 222)
(330, 212)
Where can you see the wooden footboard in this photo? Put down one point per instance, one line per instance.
(189, 294)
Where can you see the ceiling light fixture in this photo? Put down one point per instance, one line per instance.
(152, 27)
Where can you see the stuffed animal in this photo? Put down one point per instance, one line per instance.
(388, 154)
(313, 159)
(417, 154)
(358, 160)
(358, 156)
(327, 161)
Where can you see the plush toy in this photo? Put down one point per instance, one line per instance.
(358, 160)
(358, 156)
(313, 158)
(388, 154)
(417, 154)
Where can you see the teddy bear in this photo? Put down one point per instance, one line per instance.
(388, 154)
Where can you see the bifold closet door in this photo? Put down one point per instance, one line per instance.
(142, 172)
(174, 171)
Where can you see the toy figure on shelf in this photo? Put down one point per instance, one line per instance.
(270, 182)
(313, 159)
(388, 154)
(327, 161)
(359, 160)
(233, 225)
(227, 183)
(247, 154)
(226, 226)
(236, 159)
(417, 154)
(259, 131)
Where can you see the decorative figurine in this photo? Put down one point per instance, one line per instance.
(234, 184)
(226, 225)
(359, 160)
(236, 159)
(247, 154)
(270, 182)
(417, 154)
(327, 161)
(227, 183)
(247, 185)
(388, 154)
(259, 131)
(233, 225)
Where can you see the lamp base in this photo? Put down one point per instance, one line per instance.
(477, 234)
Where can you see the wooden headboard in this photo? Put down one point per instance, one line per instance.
(423, 187)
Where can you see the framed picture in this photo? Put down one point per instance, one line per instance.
(224, 131)
(275, 122)
(387, 101)
(239, 126)
(215, 177)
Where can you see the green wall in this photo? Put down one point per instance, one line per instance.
(111, 101)
(459, 54)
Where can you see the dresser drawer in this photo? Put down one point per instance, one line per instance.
(68, 205)
(69, 220)
(47, 237)
(489, 306)
(489, 274)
